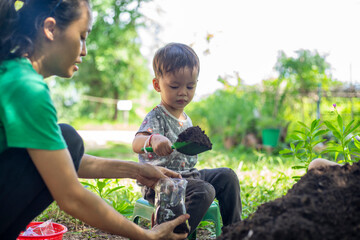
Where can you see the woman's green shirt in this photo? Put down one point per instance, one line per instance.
(27, 115)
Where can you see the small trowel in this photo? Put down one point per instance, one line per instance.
(192, 141)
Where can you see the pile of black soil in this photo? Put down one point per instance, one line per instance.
(195, 135)
(323, 204)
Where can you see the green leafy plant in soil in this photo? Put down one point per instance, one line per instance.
(304, 142)
(344, 135)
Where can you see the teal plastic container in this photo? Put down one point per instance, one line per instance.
(270, 136)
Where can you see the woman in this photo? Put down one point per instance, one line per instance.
(41, 161)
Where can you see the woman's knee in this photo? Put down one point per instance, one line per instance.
(74, 142)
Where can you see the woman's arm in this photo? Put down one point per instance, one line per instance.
(59, 175)
(147, 174)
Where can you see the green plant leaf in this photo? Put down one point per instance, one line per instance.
(314, 124)
(326, 151)
(298, 146)
(300, 154)
(88, 185)
(295, 137)
(321, 132)
(330, 126)
(300, 132)
(356, 143)
(337, 134)
(335, 148)
(347, 128)
(303, 124)
(346, 143)
(317, 142)
(354, 128)
(298, 167)
(100, 184)
(112, 190)
(355, 153)
(292, 146)
(285, 151)
(331, 150)
(340, 123)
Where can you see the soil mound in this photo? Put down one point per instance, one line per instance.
(323, 204)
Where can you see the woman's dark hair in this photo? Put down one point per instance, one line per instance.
(19, 28)
(173, 57)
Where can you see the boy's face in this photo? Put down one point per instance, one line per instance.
(177, 89)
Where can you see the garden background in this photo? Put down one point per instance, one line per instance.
(112, 91)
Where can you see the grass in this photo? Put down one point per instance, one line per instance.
(263, 177)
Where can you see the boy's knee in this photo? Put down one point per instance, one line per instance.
(228, 175)
(210, 191)
(206, 192)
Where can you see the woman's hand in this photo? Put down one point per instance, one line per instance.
(168, 172)
(166, 230)
(149, 175)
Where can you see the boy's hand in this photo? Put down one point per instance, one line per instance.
(161, 145)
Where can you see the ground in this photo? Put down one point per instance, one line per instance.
(90, 233)
(323, 204)
(81, 231)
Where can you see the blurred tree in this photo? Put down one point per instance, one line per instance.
(302, 76)
(304, 72)
(114, 67)
(272, 102)
(226, 115)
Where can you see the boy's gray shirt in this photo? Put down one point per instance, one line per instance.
(159, 120)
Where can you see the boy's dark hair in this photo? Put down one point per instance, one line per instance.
(19, 27)
(173, 57)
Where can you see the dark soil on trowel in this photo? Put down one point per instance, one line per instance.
(195, 135)
(323, 204)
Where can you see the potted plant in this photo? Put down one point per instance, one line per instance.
(271, 111)
(270, 128)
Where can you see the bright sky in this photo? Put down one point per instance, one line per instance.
(249, 33)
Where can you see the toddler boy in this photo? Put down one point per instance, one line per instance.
(176, 67)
